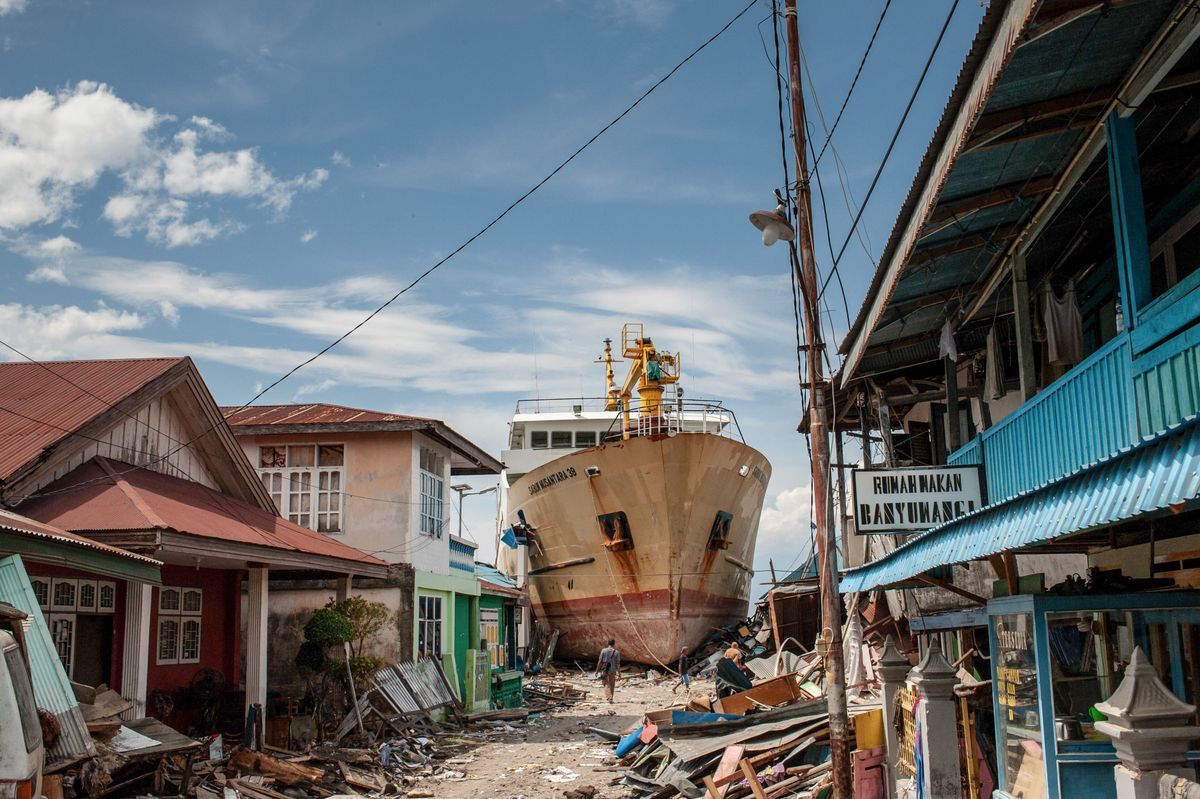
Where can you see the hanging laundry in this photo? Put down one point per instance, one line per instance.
(946, 346)
(1064, 326)
(993, 368)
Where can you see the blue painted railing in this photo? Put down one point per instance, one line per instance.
(1085, 415)
(970, 454)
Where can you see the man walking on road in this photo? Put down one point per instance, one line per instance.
(609, 666)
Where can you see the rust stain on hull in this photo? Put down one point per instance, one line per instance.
(670, 589)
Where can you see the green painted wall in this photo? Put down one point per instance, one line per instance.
(462, 638)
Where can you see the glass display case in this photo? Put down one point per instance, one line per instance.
(1055, 657)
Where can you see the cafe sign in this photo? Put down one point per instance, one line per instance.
(914, 499)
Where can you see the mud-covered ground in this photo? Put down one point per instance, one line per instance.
(554, 752)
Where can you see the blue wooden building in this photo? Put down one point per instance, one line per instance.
(1051, 242)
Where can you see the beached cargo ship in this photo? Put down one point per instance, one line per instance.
(641, 512)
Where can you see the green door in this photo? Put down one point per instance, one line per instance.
(462, 638)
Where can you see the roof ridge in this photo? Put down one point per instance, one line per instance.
(129, 491)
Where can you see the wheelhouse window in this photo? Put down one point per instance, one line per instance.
(429, 626)
(560, 439)
(306, 482)
(718, 537)
(179, 610)
(585, 438)
(433, 492)
(615, 528)
(539, 439)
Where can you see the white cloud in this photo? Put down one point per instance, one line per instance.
(785, 527)
(308, 389)
(307, 236)
(56, 331)
(213, 130)
(55, 146)
(12, 6)
(339, 159)
(642, 13)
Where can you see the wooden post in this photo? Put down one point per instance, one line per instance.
(1129, 216)
(256, 638)
(953, 419)
(1024, 327)
(804, 262)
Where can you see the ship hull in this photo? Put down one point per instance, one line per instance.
(678, 582)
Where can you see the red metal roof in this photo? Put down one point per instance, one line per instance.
(310, 413)
(39, 406)
(31, 527)
(106, 495)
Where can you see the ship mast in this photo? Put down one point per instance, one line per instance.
(650, 372)
(805, 265)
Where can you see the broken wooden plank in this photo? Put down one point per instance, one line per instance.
(251, 762)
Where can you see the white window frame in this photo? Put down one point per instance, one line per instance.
(182, 616)
(35, 581)
(64, 606)
(71, 620)
(431, 518)
(491, 635)
(427, 624)
(293, 484)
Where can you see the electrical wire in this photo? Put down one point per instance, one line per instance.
(467, 242)
(892, 144)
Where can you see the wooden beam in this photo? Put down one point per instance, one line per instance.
(953, 426)
(1055, 15)
(993, 198)
(1022, 313)
(951, 587)
(1010, 572)
(1000, 123)
(966, 243)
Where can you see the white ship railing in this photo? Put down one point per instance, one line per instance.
(675, 418)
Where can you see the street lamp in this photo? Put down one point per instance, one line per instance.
(464, 490)
(460, 489)
(773, 224)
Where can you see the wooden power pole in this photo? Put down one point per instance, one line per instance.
(806, 269)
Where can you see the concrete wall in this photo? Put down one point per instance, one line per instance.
(291, 604)
(379, 504)
(428, 553)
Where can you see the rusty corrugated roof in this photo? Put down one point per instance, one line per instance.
(25, 526)
(40, 406)
(310, 413)
(104, 495)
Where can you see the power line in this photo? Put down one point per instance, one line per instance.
(850, 92)
(892, 144)
(470, 240)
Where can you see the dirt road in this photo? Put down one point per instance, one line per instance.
(554, 752)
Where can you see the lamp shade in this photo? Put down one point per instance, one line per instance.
(774, 226)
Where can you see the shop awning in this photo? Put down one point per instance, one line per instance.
(1160, 473)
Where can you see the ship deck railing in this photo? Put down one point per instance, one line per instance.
(674, 418)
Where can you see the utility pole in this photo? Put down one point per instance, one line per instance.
(806, 273)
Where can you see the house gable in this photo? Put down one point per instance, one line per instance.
(170, 425)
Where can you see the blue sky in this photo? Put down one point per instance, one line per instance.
(241, 182)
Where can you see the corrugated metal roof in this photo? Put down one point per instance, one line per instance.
(108, 495)
(31, 527)
(51, 688)
(39, 406)
(1160, 472)
(1088, 55)
(310, 413)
